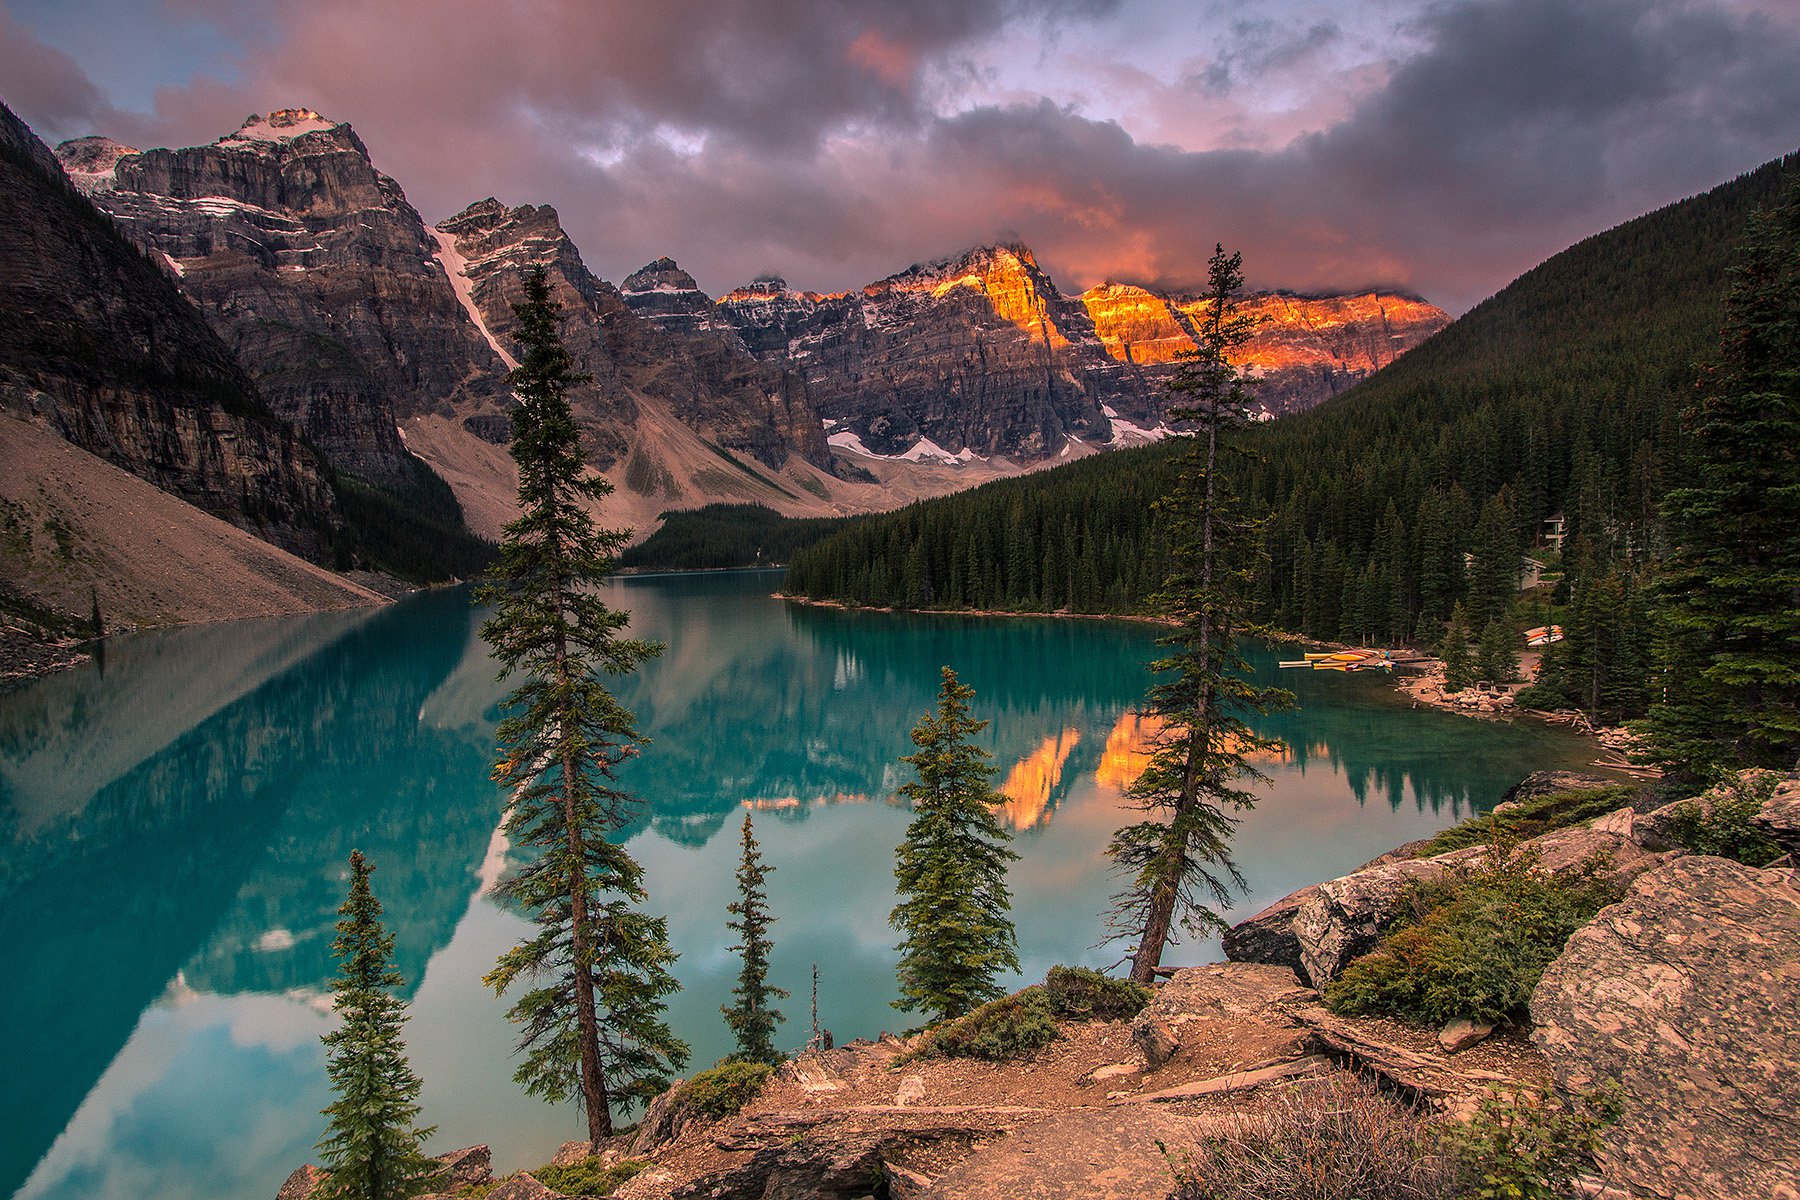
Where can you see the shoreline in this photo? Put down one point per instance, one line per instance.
(1419, 680)
(1060, 615)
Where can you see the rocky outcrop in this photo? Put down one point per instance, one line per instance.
(1548, 783)
(1319, 930)
(98, 343)
(975, 355)
(317, 273)
(703, 375)
(1686, 994)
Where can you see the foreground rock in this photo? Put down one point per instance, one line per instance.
(1318, 930)
(1687, 994)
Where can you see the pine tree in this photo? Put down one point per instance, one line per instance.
(951, 869)
(1498, 659)
(753, 1017)
(1459, 666)
(598, 968)
(1730, 593)
(371, 1148)
(1179, 856)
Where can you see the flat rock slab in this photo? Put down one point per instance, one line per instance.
(1258, 991)
(1081, 1154)
(1687, 993)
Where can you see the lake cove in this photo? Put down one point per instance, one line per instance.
(175, 825)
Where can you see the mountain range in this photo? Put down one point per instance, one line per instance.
(356, 356)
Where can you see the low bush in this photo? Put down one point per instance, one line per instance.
(1474, 942)
(1719, 821)
(1522, 1146)
(1341, 1138)
(1530, 818)
(1336, 1138)
(1002, 1029)
(1081, 994)
(722, 1090)
(589, 1176)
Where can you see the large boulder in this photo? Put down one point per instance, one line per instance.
(1318, 931)
(1779, 818)
(1268, 937)
(1687, 995)
(1345, 918)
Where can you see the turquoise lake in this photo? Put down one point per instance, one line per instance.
(175, 824)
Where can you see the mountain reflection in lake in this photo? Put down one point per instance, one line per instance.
(173, 837)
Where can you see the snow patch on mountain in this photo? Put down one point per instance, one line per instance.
(457, 268)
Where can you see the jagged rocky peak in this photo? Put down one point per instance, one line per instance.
(282, 125)
(533, 232)
(667, 297)
(663, 275)
(91, 161)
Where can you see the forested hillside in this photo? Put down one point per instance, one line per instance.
(1416, 492)
(727, 535)
(1080, 537)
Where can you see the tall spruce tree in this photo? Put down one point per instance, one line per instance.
(753, 1015)
(371, 1148)
(954, 905)
(1179, 856)
(597, 968)
(1730, 591)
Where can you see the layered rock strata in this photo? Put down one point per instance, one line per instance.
(979, 354)
(704, 376)
(983, 354)
(99, 343)
(317, 273)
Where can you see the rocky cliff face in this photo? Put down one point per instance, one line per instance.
(982, 354)
(317, 273)
(976, 355)
(676, 353)
(1306, 349)
(98, 342)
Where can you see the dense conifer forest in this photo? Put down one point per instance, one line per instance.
(727, 535)
(1418, 495)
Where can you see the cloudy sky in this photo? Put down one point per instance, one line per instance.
(1443, 147)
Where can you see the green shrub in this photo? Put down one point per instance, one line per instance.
(1719, 821)
(1521, 1146)
(999, 1030)
(589, 1176)
(1081, 994)
(724, 1089)
(1475, 941)
(1532, 817)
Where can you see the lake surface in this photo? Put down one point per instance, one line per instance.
(175, 825)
